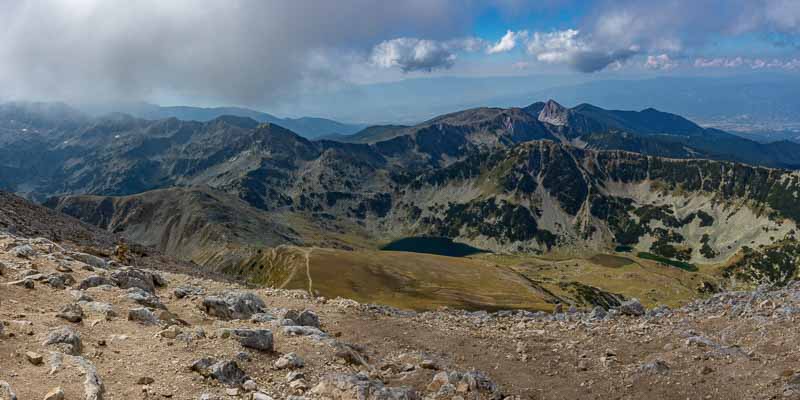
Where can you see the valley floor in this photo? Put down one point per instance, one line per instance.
(141, 331)
(425, 282)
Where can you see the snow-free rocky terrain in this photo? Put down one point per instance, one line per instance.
(83, 318)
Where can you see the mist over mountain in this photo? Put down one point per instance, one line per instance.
(309, 127)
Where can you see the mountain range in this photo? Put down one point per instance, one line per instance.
(760, 105)
(542, 179)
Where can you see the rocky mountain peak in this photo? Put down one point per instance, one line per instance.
(554, 113)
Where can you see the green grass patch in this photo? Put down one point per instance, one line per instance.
(663, 260)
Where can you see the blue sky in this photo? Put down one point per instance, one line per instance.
(494, 21)
(275, 55)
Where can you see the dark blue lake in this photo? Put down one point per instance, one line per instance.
(432, 245)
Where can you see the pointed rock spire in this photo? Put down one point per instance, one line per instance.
(554, 113)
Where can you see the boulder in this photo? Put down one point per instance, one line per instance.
(185, 291)
(93, 387)
(290, 361)
(170, 333)
(34, 358)
(294, 375)
(23, 251)
(308, 318)
(598, 313)
(6, 388)
(89, 259)
(128, 277)
(250, 385)
(226, 372)
(71, 312)
(632, 308)
(55, 394)
(142, 315)
(65, 339)
(360, 387)
(80, 296)
(351, 354)
(60, 280)
(144, 298)
(262, 317)
(259, 339)
(233, 305)
(296, 330)
(448, 383)
(94, 281)
(293, 317)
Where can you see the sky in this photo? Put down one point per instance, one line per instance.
(276, 55)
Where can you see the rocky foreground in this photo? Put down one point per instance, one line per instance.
(81, 326)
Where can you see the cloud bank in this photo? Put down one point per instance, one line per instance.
(258, 53)
(242, 52)
(752, 63)
(616, 31)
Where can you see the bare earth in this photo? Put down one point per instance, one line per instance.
(742, 345)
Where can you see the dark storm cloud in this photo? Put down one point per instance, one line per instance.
(591, 61)
(241, 52)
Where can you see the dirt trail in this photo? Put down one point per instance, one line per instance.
(307, 253)
(293, 261)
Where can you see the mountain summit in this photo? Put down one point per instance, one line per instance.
(553, 113)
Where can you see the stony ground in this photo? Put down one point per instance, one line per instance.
(82, 326)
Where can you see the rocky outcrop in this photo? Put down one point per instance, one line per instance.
(233, 305)
(357, 387)
(65, 339)
(226, 372)
(127, 278)
(71, 313)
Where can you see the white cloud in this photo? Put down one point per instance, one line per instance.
(576, 50)
(719, 62)
(508, 42)
(661, 62)
(470, 44)
(412, 54)
(554, 47)
(752, 63)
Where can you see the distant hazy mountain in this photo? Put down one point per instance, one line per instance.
(649, 132)
(760, 104)
(308, 127)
